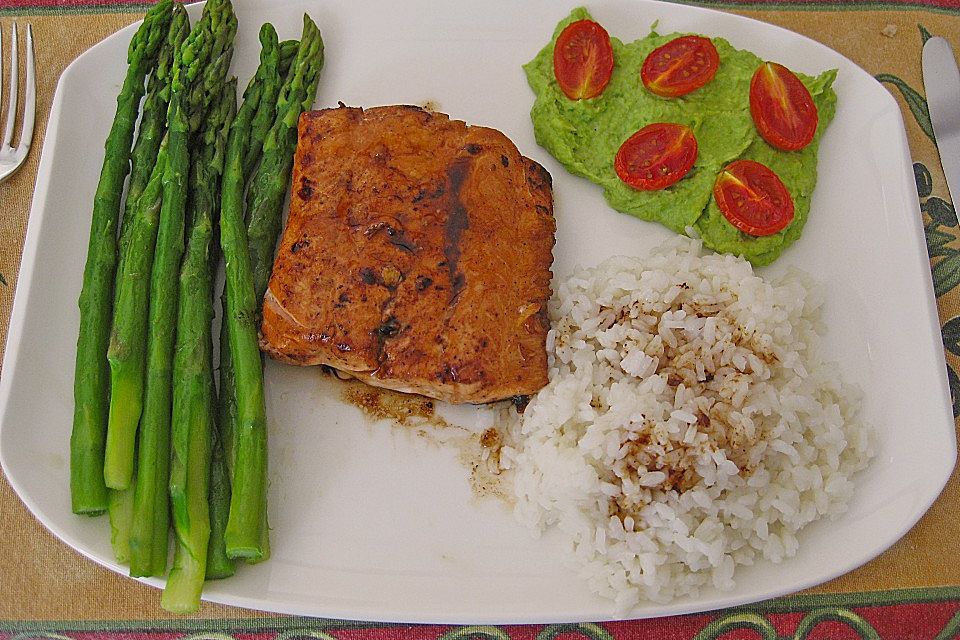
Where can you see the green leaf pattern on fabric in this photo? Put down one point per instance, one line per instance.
(945, 259)
(914, 100)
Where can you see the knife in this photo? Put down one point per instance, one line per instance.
(941, 81)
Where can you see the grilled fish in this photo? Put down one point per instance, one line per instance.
(416, 256)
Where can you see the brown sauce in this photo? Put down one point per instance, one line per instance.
(479, 453)
(384, 404)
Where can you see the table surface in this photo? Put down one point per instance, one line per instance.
(912, 590)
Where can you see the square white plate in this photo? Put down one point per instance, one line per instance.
(369, 522)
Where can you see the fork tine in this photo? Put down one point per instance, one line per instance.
(12, 104)
(29, 99)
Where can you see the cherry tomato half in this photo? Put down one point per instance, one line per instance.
(656, 156)
(782, 108)
(583, 60)
(682, 65)
(753, 198)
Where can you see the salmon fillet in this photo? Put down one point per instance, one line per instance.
(416, 256)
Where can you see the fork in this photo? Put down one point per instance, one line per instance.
(12, 158)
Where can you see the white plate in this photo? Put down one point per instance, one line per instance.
(372, 523)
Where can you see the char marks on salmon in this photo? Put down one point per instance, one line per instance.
(416, 256)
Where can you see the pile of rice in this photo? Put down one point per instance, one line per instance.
(689, 424)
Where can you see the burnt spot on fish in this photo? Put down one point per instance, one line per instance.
(389, 329)
(368, 275)
(423, 193)
(457, 222)
(423, 283)
(395, 236)
(306, 189)
(473, 148)
(399, 239)
(537, 177)
(448, 374)
(457, 287)
(413, 107)
(299, 244)
(505, 161)
(342, 301)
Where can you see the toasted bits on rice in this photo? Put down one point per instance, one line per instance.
(689, 424)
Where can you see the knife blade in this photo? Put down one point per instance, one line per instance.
(941, 81)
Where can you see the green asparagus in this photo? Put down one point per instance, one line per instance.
(267, 73)
(193, 393)
(127, 350)
(91, 375)
(143, 160)
(246, 534)
(141, 236)
(153, 118)
(219, 564)
(149, 530)
(243, 534)
(270, 83)
(244, 525)
(288, 53)
(120, 508)
(269, 185)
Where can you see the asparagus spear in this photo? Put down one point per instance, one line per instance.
(288, 53)
(120, 508)
(193, 393)
(91, 374)
(267, 73)
(270, 84)
(143, 160)
(142, 233)
(269, 184)
(249, 481)
(246, 534)
(244, 525)
(219, 565)
(153, 119)
(126, 353)
(149, 530)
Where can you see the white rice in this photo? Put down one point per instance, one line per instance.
(689, 425)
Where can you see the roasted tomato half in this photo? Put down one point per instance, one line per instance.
(782, 107)
(656, 156)
(753, 198)
(583, 60)
(680, 66)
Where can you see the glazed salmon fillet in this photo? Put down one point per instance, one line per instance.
(416, 256)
